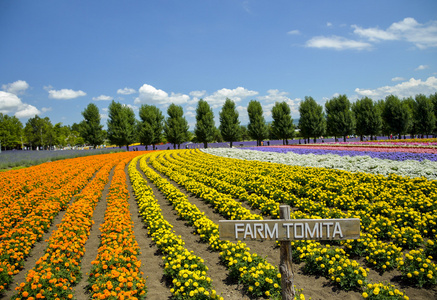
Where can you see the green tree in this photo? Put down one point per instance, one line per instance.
(424, 115)
(205, 127)
(11, 131)
(312, 122)
(380, 105)
(244, 133)
(411, 105)
(396, 115)
(367, 117)
(433, 98)
(176, 126)
(91, 129)
(229, 123)
(339, 117)
(151, 125)
(38, 132)
(121, 125)
(282, 125)
(257, 125)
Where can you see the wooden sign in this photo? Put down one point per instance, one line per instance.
(285, 230)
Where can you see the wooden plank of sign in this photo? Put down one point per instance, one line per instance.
(296, 229)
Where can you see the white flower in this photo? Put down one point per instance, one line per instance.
(410, 168)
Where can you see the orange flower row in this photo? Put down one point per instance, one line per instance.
(59, 268)
(115, 272)
(16, 244)
(52, 178)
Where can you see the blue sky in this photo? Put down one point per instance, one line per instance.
(56, 57)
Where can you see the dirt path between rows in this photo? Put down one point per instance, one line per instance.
(92, 244)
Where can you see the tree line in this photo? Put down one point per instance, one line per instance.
(338, 118)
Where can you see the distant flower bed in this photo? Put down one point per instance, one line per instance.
(399, 156)
(410, 168)
(349, 147)
(14, 158)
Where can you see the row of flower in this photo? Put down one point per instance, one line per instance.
(409, 202)
(186, 270)
(319, 189)
(115, 273)
(58, 270)
(345, 273)
(418, 142)
(392, 155)
(410, 168)
(371, 259)
(258, 277)
(16, 244)
(23, 190)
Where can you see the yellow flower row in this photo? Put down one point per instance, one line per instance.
(379, 259)
(258, 276)
(188, 271)
(223, 203)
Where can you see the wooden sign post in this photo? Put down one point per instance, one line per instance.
(284, 230)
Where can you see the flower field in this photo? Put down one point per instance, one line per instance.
(144, 225)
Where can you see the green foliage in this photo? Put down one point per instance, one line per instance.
(396, 115)
(312, 122)
(367, 116)
(151, 125)
(11, 130)
(257, 125)
(424, 114)
(176, 126)
(229, 124)
(205, 127)
(38, 132)
(339, 117)
(91, 129)
(282, 126)
(121, 124)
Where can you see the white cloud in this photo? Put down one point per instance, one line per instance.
(421, 35)
(328, 24)
(405, 89)
(198, 94)
(374, 34)
(398, 79)
(294, 32)
(421, 67)
(242, 114)
(17, 87)
(126, 91)
(46, 109)
(102, 98)
(337, 43)
(409, 30)
(151, 95)
(11, 104)
(190, 114)
(218, 98)
(65, 94)
(274, 96)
